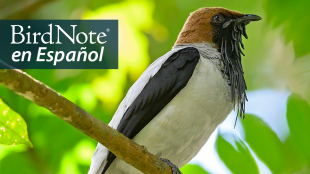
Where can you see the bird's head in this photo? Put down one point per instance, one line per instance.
(222, 29)
(215, 25)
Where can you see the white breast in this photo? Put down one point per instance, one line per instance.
(180, 130)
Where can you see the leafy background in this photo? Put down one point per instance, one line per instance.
(275, 137)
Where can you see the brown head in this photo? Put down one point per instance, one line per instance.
(208, 25)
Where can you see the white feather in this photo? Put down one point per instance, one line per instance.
(185, 124)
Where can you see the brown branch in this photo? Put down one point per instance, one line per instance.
(125, 149)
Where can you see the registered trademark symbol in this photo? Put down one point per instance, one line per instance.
(108, 30)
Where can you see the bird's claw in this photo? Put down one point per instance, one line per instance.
(174, 168)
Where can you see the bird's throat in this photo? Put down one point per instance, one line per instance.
(230, 47)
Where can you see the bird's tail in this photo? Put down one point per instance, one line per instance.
(99, 159)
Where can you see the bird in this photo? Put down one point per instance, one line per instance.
(179, 100)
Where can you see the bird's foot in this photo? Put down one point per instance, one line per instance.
(174, 168)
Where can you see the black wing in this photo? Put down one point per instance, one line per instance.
(157, 93)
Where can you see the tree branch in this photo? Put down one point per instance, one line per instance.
(125, 149)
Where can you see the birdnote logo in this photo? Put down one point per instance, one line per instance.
(59, 44)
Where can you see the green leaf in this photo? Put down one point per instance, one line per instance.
(293, 159)
(13, 128)
(264, 142)
(292, 16)
(298, 118)
(235, 154)
(193, 169)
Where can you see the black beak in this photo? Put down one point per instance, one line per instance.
(247, 18)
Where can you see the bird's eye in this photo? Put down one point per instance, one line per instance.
(218, 19)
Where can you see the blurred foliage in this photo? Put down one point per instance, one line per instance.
(291, 15)
(290, 156)
(257, 131)
(235, 154)
(192, 168)
(147, 30)
(298, 116)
